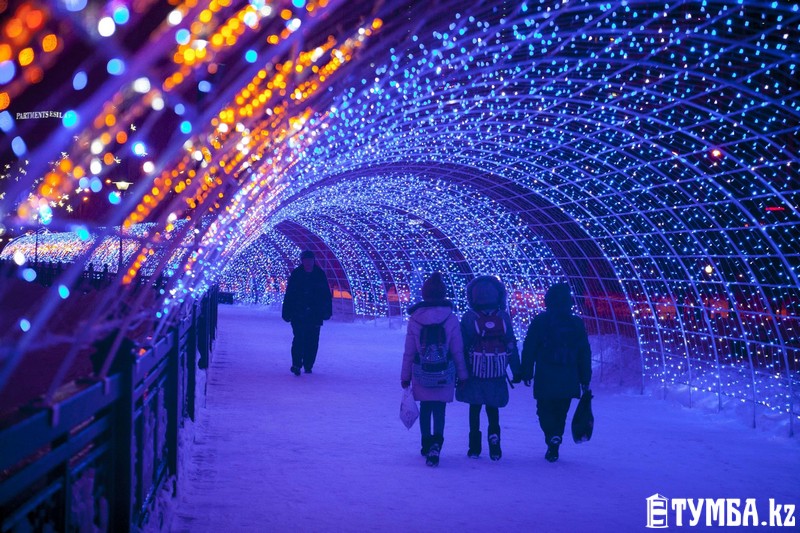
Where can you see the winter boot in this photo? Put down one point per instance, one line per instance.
(295, 370)
(495, 453)
(433, 452)
(426, 445)
(552, 449)
(474, 444)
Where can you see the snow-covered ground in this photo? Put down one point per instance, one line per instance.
(327, 451)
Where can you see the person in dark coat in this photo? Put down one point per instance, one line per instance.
(486, 327)
(434, 309)
(306, 304)
(557, 356)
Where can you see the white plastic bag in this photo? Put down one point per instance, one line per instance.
(409, 412)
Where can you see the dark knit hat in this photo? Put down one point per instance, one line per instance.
(433, 288)
(307, 254)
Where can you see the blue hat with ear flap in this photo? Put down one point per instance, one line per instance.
(486, 292)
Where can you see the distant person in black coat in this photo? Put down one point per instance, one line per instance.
(557, 356)
(306, 304)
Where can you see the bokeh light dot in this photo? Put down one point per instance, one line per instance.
(49, 42)
(115, 67)
(106, 27)
(79, 80)
(70, 119)
(175, 17)
(6, 121)
(141, 85)
(83, 233)
(183, 36)
(63, 292)
(26, 56)
(121, 15)
(7, 71)
(18, 146)
(75, 5)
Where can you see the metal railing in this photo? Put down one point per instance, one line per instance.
(96, 459)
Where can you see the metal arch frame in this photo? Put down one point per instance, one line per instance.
(306, 239)
(665, 278)
(426, 216)
(374, 236)
(266, 242)
(348, 224)
(335, 250)
(668, 244)
(345, 225)
(481, 183)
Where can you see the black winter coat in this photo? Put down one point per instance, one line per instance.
(557, 356)
(308, 297)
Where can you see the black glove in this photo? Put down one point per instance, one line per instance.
(405, 383)
(527, 382)
(584, 388)
(516, 379)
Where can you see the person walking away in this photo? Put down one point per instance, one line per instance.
(433, 357)
(490, 346)
(307, 303)
(254, 287)
(557, 356)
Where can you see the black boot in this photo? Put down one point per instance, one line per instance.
(426, 445)
(433, 452)
(552, 448)
(495, 453)
(474, 444)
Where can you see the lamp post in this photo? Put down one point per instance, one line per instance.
(122, 186)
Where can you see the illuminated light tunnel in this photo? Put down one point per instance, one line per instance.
(644, 152)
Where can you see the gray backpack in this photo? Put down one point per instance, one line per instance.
(433, 366)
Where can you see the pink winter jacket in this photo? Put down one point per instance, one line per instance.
(433, 315)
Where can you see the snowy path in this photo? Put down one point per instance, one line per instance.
(327, 452)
